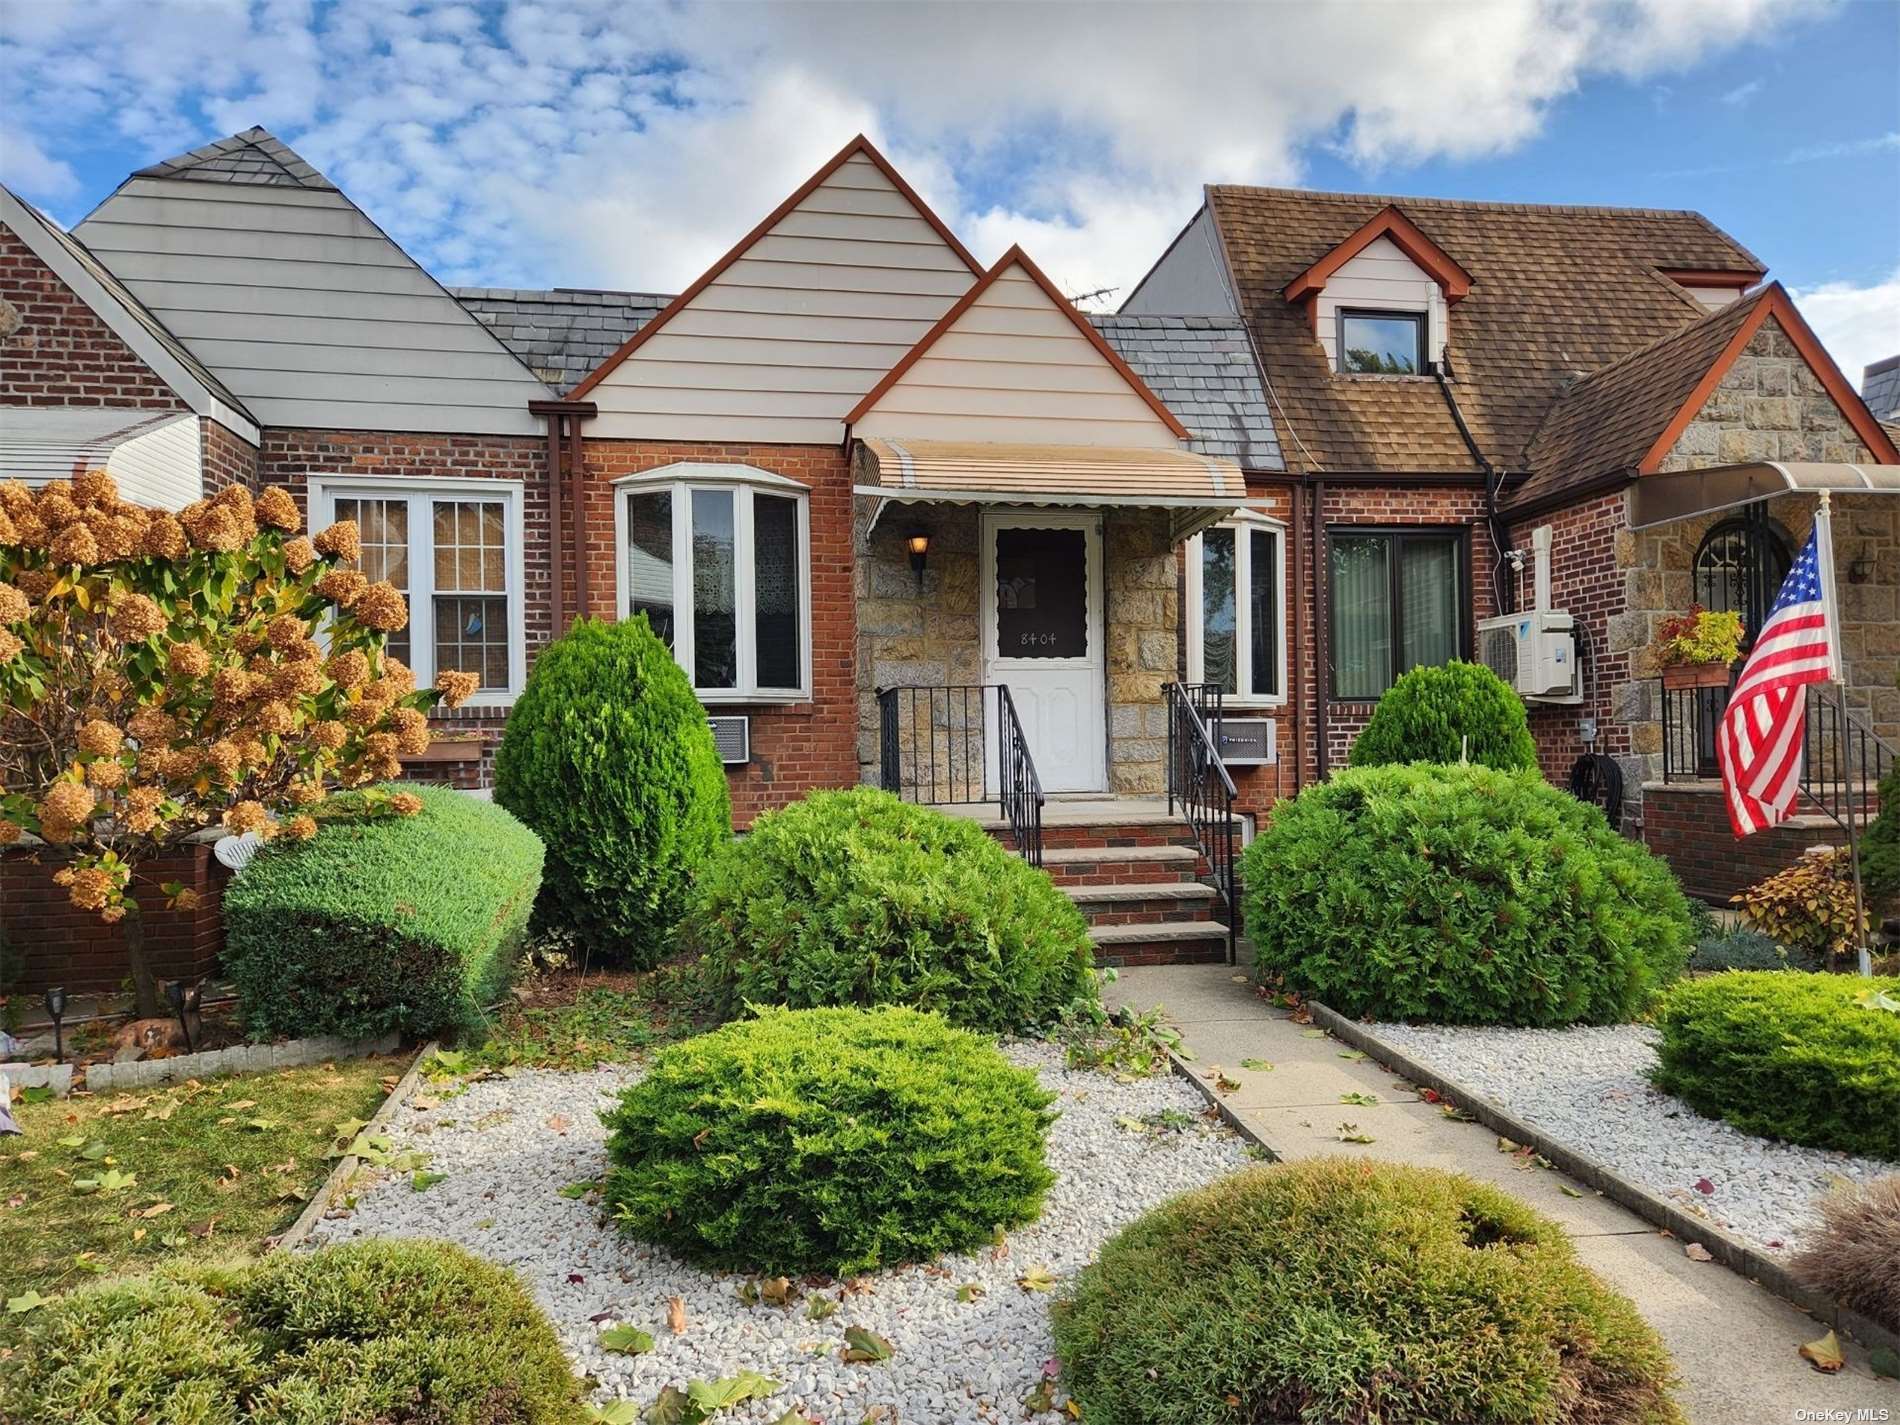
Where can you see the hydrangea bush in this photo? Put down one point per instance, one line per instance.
(163, 673)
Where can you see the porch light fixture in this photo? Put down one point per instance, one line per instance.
(918, 542)
(1860, 570)
(56, 1011)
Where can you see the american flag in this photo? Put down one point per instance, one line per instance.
(1758, 743)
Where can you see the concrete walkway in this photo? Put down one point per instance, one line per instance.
(1734, 1342)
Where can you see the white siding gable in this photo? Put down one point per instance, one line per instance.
(786, 338)
(1381, 278)
(153, 456)
(1014, 367)
(306, 309)
(1714, 298)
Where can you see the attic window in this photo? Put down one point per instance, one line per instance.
(1381, 343)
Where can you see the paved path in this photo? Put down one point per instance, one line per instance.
(1734, 1342)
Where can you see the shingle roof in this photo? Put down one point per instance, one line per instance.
(253, 156)
(1203, 369)
(1880, 388)
(562, 334)
(1556, 291)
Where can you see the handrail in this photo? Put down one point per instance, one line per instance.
(934, 749)
(1200, 782)
(1020, 788)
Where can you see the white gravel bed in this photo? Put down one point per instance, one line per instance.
(1589, 1088)
(507, 1146)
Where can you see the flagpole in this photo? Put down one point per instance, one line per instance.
(1824, 548)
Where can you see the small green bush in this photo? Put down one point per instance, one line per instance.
(1880, 846)
(1738, 948)
(827, 1140)
(396, 1333)
(608, 757)
(1791, 1056)
(858, 898)
(1457, 711)
(1342, 1290)
(410, 923)
(1459, 895)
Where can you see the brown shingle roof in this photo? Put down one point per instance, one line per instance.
(1555, 291)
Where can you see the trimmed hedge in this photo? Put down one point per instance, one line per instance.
(607, 756)
(1787, 1055)
(1459, 895)
(1343, 1290)
(399, 1333)
(858, 898)
(1448, 713)
(410, 923)
(827, 1140)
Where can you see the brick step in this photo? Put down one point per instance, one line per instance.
(1156, 903)
(1120, 834)
(1172, 942)
(1107, 866)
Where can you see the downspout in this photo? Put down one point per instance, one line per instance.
(1322, 649)
(564, 507)
(1506, 590)
(579, 411)
(1293, 657)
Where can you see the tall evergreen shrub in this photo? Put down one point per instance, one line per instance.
(1445, 714)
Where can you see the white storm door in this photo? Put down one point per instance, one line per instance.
(1042, 636)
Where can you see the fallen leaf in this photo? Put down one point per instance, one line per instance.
(970, 1291)
(157, 1209)
(776, 1291)
(1313, 1034)
(27, 1301)
(1258, 1066)
(1569, 1191)
(560, 1122)
(864, 1347)
(676, 1316)
(1704, 1186)
(578, 1189)
(1359, 1100)
(1505, 1145)
(1349, 1133)
(818, 1307)
(615, 1412)
(1352, 1053)
(1825, 1354)
(1884, 1361)
(1037, 1278)
(422, 1182)
(1040, 1400)
(1696, 1252)
(625, 1340)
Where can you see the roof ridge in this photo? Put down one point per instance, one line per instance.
(1493, 205)
(544, 294)
(224, 160)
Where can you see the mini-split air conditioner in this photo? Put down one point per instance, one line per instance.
(1535, 651)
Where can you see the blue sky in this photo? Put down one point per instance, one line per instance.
(600, 142)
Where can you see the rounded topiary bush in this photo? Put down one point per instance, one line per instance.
(1809, 1058)
(400, 1333)
(859, 898)
(1459, 895)
(1342, 1290)
(608, 758)
(827, 1140)
(1450, 713)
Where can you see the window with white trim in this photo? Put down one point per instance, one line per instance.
(1235, 617)
(453, 550)
(718, 558)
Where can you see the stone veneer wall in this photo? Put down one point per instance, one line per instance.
(1143, 628)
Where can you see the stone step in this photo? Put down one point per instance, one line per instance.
(1077, 866)
(1168, 942)
(1154, 903)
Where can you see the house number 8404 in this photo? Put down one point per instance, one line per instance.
(1031, 640)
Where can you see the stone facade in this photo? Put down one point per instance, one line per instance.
(1143, 629)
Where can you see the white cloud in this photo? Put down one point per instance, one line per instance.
(1858, 325)
(26, 166)
(1742, 93)
(599, 142)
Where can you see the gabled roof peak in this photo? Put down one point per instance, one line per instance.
(1389, 222)
(253, 156)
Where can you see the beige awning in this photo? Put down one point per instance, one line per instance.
(1200, 489)
(1658, 499)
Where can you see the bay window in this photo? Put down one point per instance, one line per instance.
(1396, 600)
(718, 557)
(1236, 631)
(452, 548)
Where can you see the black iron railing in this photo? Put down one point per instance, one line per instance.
(961, 743)
(1200, 785)
(1689, 719)
(1845, 761)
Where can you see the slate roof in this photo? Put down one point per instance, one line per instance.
(563, 334)
(1557, 292)
(1203, 370)
(253, 156)
(1880, 389)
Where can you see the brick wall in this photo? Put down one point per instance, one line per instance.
(1687, 825)
(55, 351)
(225, 457)
(796, 747)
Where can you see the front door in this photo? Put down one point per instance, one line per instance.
(1042, 636)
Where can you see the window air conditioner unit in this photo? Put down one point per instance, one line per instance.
(1246, 742)
(733, 737)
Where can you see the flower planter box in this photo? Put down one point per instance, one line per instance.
(1695, 675)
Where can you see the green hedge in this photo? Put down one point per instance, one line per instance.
(858, 898)
(395, 1333)
(386, 922)
(608, 757)
(1788, 1055)
(1449, 713)
(828, 1140)
(1337, 1291)
(1459, 895)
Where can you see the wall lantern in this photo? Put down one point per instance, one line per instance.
(918, 542)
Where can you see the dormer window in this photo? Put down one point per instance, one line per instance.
(1381, 343)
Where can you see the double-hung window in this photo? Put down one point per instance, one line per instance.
(718, 558)
(1235, 589)
(1396, 600)
(452, 548)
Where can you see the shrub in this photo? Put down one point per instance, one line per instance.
(858, 898)
(1341, 1290)
(1880, 845)
(1855, 1257)
(1738, 948)
(608, 758)
(827, 1140)
(379, 923)
(1809, 907)
(1810, 1058)
(401, 1333)
(1455, 712)
(1459, 895)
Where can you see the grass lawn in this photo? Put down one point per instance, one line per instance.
(201, 1169)
(570, 1021)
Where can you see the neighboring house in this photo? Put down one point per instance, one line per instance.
(1880, 389)
(1456, 385)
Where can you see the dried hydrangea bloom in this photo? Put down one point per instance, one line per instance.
(187, 660)
(58, 833)
(57, 509)
(411, 729)
(276, 718)
(367, 713)
(342, 540)
(222, 758)
(285, 631)
(105, 773)
(398, 679)
(298, 679)
(13, 604)
(304, 793)
(100, 738)
(88, 888)
(299, 828)
(30, 531)
(94, 487)
(342, 587)
(136, 618)
(381, 607)
(247, 816)
(15, 498)
(67, 802)
(380, 744)
(141, 809)
(10, 646)
(299, 554)
(349, 670)
(10, 832)
(231, 686)
(457, 687)
(74, 545)
(329, 735)
(118, 536)
(164, 538)
(406, 803)
(9, 532)
(151, 725)
(274, 507)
